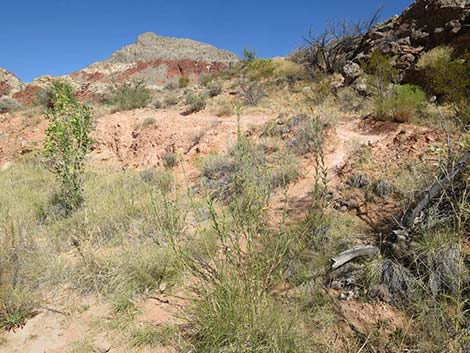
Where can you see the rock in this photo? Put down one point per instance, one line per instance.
(424, 25)
(352, 71)
(9, 83)
(336, 285)
(102, 348)
(454, 26)
(360, 86)
(337, 81)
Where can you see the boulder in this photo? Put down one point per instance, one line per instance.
(351, 71)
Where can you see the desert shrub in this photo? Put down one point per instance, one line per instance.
(235, 310)
(45, 95)
(444, 76)
(383, 188)
(16, 300)
(305, 134)
(286, 172)
(223, 108)
(130, 96)
(214, 88)
(380, 76)
(251, 91)
(67, 143)
(379, 66)
(148, 122)
(248, 55)
(349, 100)
(447, 78)
(170, 159)
(359, 180)
(162, 179)
(259, 69)
(206, 79)
(8, 104)
(288, 71)
(183, 82)
(402, 104)
(157, 104)
(236, 318)
(195, 102)
(170, 86)
(121, 275)
(171, 100)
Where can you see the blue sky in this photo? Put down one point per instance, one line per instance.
(62, 36)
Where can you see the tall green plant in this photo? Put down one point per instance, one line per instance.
(67, 143)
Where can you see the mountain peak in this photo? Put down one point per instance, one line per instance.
(150, 46)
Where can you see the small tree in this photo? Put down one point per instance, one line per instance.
(67, 143)
(248, 55)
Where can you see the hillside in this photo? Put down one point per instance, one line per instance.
(154, 59)
(176, 198)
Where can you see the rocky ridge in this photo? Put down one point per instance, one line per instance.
(9, 83)
(154, 59)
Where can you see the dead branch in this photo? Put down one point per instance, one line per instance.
(443, 183)
(350, 254)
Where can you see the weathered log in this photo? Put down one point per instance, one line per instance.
(444, 181)
(350, 254)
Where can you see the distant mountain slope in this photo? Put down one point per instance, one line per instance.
(154, 59)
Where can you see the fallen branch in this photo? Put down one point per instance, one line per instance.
(444, 181)
(350, 254)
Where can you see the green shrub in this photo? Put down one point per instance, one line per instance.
(259, 69)
(171, 100)
(444, 76)
(195, 102)
(170, 159)
(248, 55)
(447, 78)
(157, 104)
(45, 96)
(214, 88)
(67, 143)
(402, 104)
(130, 96)
(379, 65)
(183, 82)
(380, 75)
(8, 104)
(288, 71)
(148, 121)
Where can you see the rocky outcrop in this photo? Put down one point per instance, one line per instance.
(9, 83)
(424, 25)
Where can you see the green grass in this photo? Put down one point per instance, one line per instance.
(152, 336)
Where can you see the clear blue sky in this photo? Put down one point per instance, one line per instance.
(62, 36)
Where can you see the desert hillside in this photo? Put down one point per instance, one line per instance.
(178, 198)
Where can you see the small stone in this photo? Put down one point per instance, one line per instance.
(102, 348)
(336, 285)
